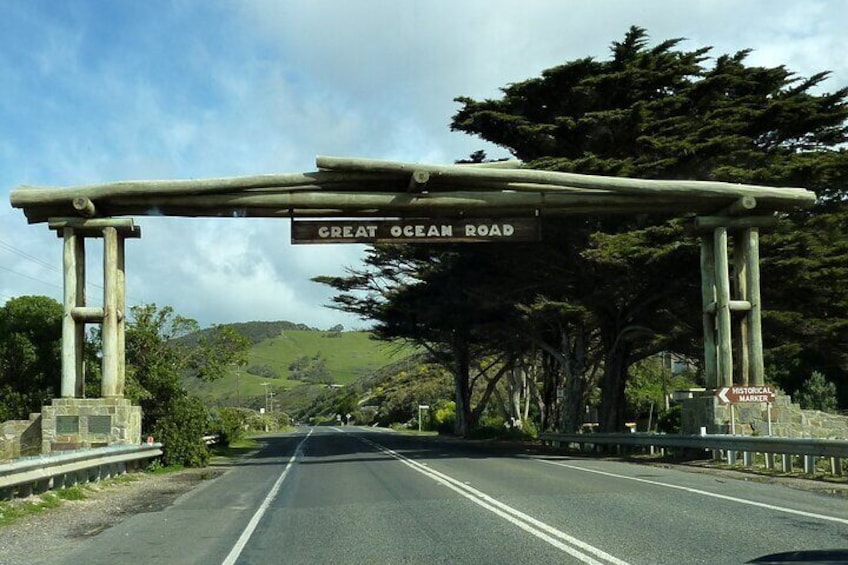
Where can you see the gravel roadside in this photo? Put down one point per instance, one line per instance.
(46, 536)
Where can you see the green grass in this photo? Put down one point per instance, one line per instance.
(349, 357)
(14, 510)
(236, 449)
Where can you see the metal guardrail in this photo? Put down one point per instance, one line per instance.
(730, 445)
(23, 477)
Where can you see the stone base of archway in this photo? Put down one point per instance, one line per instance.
(81, 423)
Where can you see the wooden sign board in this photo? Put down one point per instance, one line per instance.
(742, 394)
(450, 230)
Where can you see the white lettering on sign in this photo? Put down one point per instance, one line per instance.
(421, 230)
(347, 232)
(734, 394)
(754, 398)
(489, 230)
(752, 390)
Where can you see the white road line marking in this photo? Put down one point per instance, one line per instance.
(527, 523)
(235, 552)
(701, 492)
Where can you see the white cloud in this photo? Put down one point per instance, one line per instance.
(265, 86)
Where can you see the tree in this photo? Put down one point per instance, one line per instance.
(156, 359)
(30, 355)
(661, 112)
(806, 321)
(310, 369)
(603, 292)
(818, 394)
(455, 309)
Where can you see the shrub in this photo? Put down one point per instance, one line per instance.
(181, 432)
(443, 416)
(229, 425)
(669, 421)
(817, 393)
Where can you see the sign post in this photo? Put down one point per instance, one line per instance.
(420, 408)
(743, 394)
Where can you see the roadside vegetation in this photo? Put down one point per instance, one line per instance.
(12, 511)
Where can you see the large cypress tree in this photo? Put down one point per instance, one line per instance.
(663, 112)
(629, 284)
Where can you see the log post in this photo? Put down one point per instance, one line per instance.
(751, 245)
(121, 304)
(722, 278)
(85, 207)
(73, 263)
(707, 299)
(109, 387)
(79, 338)
(740, 288)
(418, 181)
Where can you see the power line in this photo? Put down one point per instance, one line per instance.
(25, 255)
(45, 264)
(30, 277)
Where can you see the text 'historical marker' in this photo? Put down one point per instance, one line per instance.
(741, 393)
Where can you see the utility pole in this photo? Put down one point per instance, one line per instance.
(238, 393)
(266, 397)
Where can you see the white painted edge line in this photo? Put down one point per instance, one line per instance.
(527, 523)
(235, 552)
(701, 492)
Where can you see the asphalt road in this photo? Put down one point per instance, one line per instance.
(353, 495)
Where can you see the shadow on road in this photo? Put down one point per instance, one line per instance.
(329, 447)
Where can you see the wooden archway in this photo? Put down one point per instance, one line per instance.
(728, 217)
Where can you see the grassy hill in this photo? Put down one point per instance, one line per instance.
(348, 357)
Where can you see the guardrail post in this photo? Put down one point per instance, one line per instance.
(769, 460)
(747, 458)
(836, 466)
(42, 486)
(731, 457)
(25, 490)
(809, 464)
(786, 462)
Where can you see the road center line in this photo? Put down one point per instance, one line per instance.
(700, 492)
(235, 552)
(527, 523)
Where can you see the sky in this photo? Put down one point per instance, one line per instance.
(96, 91)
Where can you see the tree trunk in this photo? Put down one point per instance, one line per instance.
(574, 357)
(463, 387)
(613, 381)
(552, 377)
